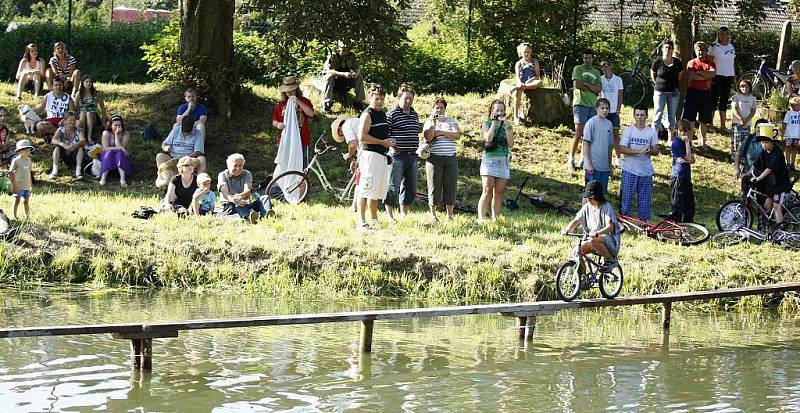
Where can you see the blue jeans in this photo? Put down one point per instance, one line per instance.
(403, 181)
(600, 176)
(229, 208)
(669, 101)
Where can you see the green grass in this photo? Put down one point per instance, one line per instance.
(82, 233)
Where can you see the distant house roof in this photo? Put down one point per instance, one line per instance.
(131, 15)
(607, 14)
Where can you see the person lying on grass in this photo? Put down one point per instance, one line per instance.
(599, 221)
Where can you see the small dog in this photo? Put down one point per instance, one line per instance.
(29, 118)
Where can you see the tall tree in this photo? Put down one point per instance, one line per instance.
(207, 49)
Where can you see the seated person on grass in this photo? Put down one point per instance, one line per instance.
(598, 219)
(193, 109)
(7, 143)
(69, 142)
(341, 74)
(30, 71)
(182, 188)
(235, 188)
(54, 105)
(204, 199)
(183, 140)
(63, 66)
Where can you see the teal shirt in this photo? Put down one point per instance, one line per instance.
(748, 153)
(500, 137)
(587, 74)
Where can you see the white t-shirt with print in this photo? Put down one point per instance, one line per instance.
(611, 88)
(723, 58)
(635, 138)
(792, 121)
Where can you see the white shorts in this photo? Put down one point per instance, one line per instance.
(375, 171)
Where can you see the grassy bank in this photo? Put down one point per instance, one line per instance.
(81, 232)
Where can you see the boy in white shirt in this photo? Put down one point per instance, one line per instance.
(638, 143)
(613, 90)
(791, 130)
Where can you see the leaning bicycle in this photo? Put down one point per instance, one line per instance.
(292, 186)
(572, 277)
(636, 81)
(765, 80)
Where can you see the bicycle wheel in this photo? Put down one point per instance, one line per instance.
(611, 283)
(733, 214)
(791, 241)
(290, 187)
(689, 234)
(727, 238)
(760, 85)
(791, 219)
(568, 281)
(635, 88)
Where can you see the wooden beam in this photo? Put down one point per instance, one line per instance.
(518, 309)
(366, 336)
(783, 48)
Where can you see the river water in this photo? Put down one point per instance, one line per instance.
(583, 361)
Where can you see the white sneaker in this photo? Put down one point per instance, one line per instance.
(363, 226)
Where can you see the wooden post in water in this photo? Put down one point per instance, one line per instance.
(522, 323)
(530, 325)
(142, 353)
(666, 315)
(366, 335)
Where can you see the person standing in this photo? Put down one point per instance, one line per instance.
(290, 92)
(744, 106)
(666, 72)
(498, 139)
(680, 181)
(597, 143)
(639, 142)
(404, 129)
(613, 91)
(20, 170)
(698, 105)
(587, 83)
(441, 167)
(373, 164)
(723, 54)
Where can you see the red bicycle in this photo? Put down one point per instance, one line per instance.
(684, 233)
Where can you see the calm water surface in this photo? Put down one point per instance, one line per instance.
(587, 361)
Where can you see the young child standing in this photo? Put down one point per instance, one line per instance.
(744, 108)
(680, 181)
(791, 130)
(21, 185)
(597, 143)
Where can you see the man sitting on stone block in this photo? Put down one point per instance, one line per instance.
(341, 74)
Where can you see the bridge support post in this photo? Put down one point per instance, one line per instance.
(366, 336)
(666, 315)
(142, 353)
(522, 323)
(530, 326)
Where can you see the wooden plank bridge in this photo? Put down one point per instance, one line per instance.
(141, 335)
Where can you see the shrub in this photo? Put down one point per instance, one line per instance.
(110, 53)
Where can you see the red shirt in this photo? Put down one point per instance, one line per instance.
(305, 132)
(697, 65)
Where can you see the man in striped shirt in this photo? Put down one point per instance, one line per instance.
(404, 128)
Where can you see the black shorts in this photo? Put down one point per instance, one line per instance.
(721, 92)
(698, 106)
(71, 159)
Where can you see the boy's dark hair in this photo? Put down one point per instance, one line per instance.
(602, 101)
(684, 125)
(187, 124)
(587, 51)
(669, 42)
(640, 107)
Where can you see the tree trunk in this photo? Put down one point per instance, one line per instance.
(682, 36)
(207, 46)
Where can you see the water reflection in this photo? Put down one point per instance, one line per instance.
(613, 360)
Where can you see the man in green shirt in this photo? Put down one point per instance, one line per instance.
(341, 74)
(587, 83)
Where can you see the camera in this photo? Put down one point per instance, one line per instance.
(497, 117)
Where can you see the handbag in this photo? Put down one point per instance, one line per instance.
(424, 150)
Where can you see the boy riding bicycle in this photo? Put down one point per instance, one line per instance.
(598, 219)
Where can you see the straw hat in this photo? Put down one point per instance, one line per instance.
(289, 83)
(23, 144)
(337, 136)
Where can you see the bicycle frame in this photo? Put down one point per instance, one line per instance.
(651, 229)
(314, 165)
(592, 266)
(775, 77)
(751, 198)
(775, 237)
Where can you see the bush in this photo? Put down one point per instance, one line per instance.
(109, 53)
